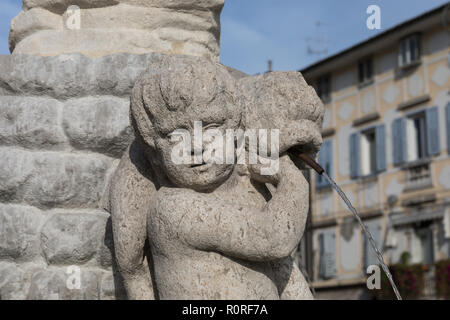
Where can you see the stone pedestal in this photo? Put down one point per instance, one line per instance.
(101, 27)
(64, 124)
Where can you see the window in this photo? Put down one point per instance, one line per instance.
(324, 88)
(327, 255)
(424, 250)
(416, 137)
(367, 152)
(409, 50)
(326, 162)
(370, 257)
(365, 71)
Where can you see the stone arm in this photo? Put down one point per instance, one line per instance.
(131, 192)
(248, 233)
(289, 280)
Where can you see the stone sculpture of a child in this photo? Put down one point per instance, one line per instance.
(215, 230)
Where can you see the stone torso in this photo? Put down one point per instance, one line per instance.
(184, 272)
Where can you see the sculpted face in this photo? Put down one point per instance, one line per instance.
(206, 174)
(194, 91)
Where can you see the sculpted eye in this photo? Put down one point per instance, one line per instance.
(211, 126)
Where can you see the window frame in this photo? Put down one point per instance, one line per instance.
(364, 65)
(324, 91)
(372, 166)
(404, 58)
(422, 136)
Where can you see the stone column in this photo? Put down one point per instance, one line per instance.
(46, 27)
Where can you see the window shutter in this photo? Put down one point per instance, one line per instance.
(429, 258)
(399, 140)
(320, 181)
(432, 131)
(370, 257)
(329, 158)
(329, 255)
(448, 125)
(354, 155)
(380, 138)
(321, 256)
(326, 162)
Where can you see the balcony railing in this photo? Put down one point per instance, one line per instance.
(418, 175)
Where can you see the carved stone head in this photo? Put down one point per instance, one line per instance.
(175, 95)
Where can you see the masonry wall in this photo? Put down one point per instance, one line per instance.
(63, 128)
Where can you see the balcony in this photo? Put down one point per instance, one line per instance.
(417, 175)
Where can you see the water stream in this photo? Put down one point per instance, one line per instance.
(369, 236)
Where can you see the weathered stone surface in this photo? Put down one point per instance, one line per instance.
(19, 232)
(51, 284)
(105, 254)
(31, 122)
(72, 238)
(171, 27)
(185, 207)
(52, 179)
(61, 5)
(11, 282)
(283, 101)
(33, 20)
(99, 124)
(72, 75)
(112, 288)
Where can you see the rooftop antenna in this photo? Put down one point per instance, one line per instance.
(318, 45)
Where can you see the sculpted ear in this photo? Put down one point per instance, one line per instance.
(139, 118)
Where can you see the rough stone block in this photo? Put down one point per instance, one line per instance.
(112, 287)
(11, 282)
(171, 27)
(72, 75)
(98, 124)
(31, 122)
(72, 238)
(52, 284)
(33, 20)
(15, 170)
(52, 179)
(19, 231)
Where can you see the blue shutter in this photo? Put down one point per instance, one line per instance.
(320, 181)
(370, 257)
(354, 155)
(399, 140)
(448, 125)
(432, 119)
(326, 161)
(329, 158)
(321, 256)
(380, 138)
(329, 255)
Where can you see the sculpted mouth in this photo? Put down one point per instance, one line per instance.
(196, 165)
(200, 167)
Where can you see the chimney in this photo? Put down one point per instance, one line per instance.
(269, 66)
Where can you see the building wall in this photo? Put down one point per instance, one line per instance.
(391, 87)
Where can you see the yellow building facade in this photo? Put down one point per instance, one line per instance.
(386, 136)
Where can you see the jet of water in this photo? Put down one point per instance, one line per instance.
(363, 226)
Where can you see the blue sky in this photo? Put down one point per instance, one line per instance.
(254, 31)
